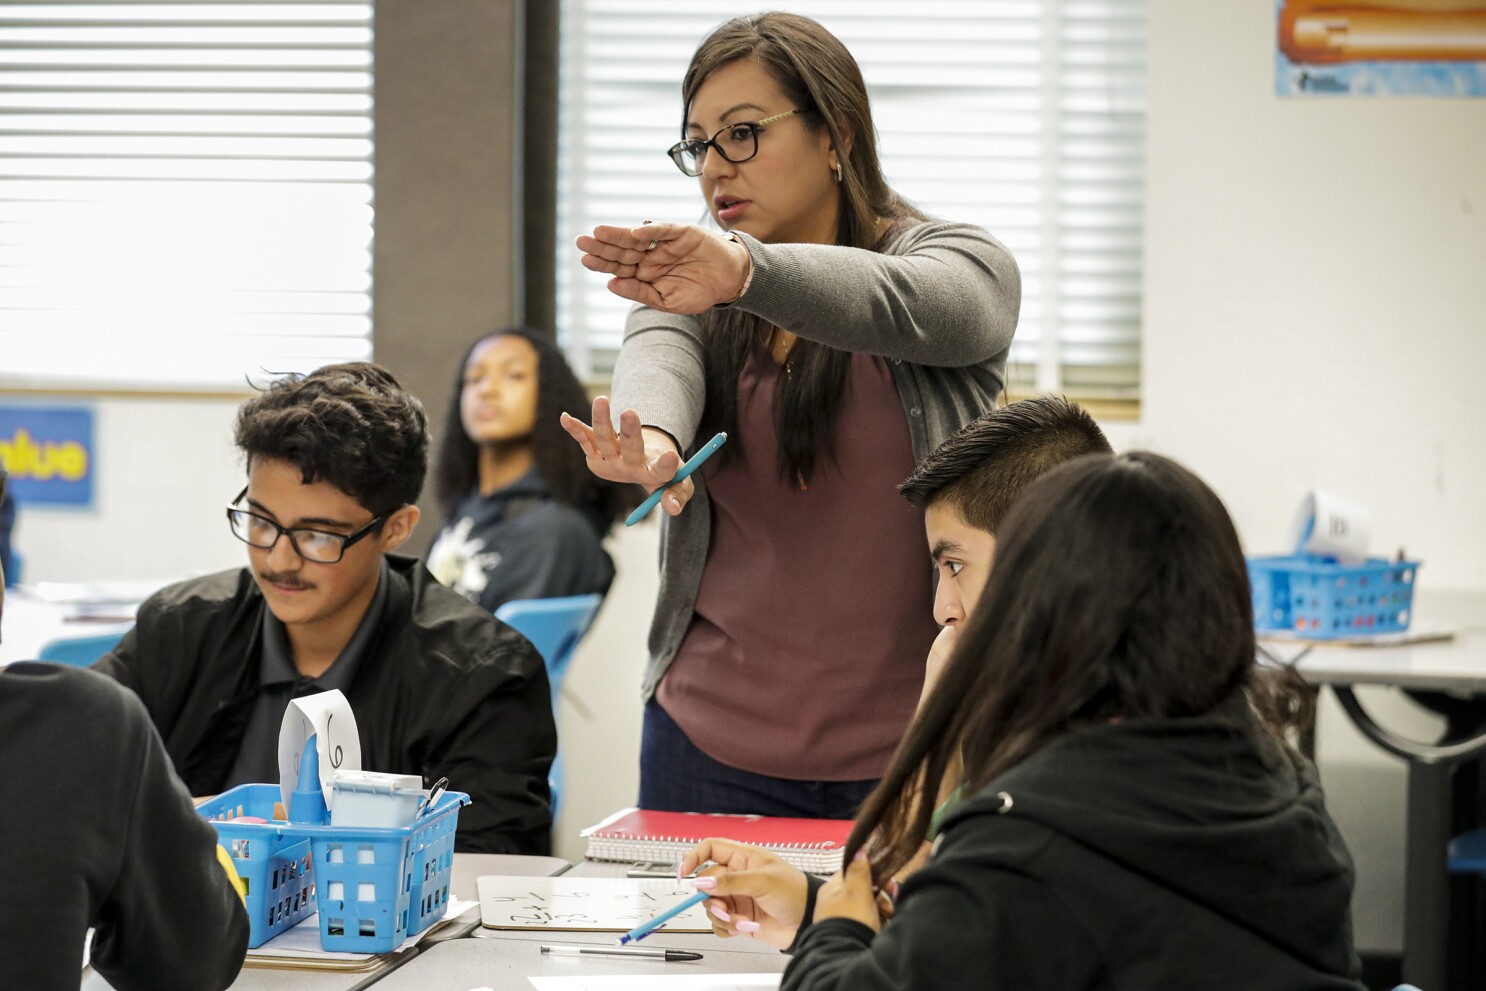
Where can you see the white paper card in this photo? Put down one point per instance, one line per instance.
(328, 717)
(1330, 526)
(657, 982)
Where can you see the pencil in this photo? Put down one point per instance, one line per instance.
(646, 928)
(653, 500)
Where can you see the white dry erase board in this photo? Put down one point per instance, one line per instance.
(587, 904)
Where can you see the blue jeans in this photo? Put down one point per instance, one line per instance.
(676, 776)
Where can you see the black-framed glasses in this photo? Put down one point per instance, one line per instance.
(319, 546)
(737, 143)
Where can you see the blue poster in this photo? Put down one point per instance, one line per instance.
(48, 453)
(1380, 48)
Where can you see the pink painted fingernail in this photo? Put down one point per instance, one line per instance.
(704, 883)
(721, 913)
(748, 926)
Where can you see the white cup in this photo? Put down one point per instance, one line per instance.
(1327, 525)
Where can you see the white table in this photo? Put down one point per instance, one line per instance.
(467, 867)
(30, 622)
(1449, 677)
(503, 960)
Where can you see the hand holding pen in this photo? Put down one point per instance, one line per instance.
(633, 455)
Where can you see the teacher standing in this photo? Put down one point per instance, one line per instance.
(838, 335)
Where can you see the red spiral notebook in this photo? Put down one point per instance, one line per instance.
(812, 845)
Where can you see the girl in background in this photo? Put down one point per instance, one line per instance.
(523, 516)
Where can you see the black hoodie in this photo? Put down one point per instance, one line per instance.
(1155, 854)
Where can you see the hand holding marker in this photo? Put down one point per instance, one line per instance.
(646, 928)
(695, 462)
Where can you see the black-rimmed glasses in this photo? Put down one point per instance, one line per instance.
(319, 546)
(737, 143)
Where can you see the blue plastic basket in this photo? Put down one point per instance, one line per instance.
(274, 865)
(1319, 599)
(376, 886)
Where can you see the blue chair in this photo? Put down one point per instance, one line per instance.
(1468, 853)
(554, 627)
(80, 652)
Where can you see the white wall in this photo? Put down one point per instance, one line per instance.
(1315, 314)
(164, 471)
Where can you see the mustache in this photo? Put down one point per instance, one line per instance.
(285, 578)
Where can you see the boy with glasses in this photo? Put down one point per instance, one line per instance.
(335, 462)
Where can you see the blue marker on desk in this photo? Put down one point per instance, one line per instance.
(646, 928)
(695, 462)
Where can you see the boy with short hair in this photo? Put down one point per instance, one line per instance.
(967, 485)
(440, 688)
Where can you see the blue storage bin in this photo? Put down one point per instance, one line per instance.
(376, 886)
(1319, 599)
(275, 866)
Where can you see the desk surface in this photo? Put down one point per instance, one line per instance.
(1458, 664)
(504, 960)
(30, 623)
(467, 867)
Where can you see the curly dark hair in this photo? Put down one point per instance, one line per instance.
(351, 425)
(558, 459)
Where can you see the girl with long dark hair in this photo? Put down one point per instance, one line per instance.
(1132, 815)
(838, 336)
(523, 516)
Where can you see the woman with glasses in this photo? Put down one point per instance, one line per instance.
(837, 335)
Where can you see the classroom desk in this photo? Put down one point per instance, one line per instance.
(1450, 678)
(30, 623)
(467, 867)
(503, 960)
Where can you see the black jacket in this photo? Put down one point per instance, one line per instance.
(520, 543)
(1164, 855)
(100, 832)
(445, 690)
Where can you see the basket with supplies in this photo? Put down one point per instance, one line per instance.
(372, 853)
(1329, 589)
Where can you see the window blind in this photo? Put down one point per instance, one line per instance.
(185, 191)
(1023, 116)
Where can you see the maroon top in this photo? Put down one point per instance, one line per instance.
(805, 656)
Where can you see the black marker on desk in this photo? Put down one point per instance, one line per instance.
(669, 956)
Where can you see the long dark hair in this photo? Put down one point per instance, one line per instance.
(820, 76)
(1119, 590)
(558, 460)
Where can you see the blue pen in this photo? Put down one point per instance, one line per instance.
(646, 928)
(653, 500)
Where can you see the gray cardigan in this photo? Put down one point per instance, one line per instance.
(940, 303)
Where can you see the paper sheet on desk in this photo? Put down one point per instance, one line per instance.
(328, 717)
(303, 940)
(653, 982)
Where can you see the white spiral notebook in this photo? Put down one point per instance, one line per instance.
(812, 845)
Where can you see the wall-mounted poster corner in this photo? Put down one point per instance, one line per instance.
(1380, 47)
(48, 453)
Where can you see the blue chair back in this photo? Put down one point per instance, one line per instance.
(554, 627)
(79, 652)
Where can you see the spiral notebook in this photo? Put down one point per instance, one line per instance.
(812, 845)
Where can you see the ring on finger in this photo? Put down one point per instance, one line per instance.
(652, 244)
